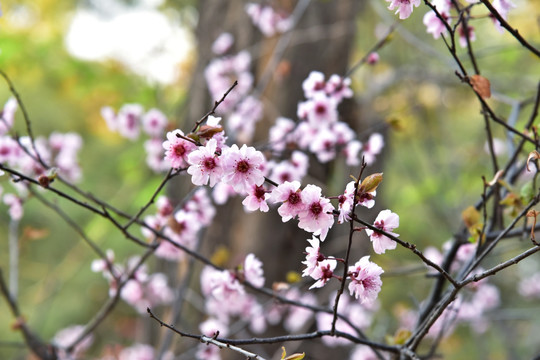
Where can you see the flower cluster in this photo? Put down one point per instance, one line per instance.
(129, 121)
(243, 110)
(65, 337)
(268, 20)
(365, 276)
(40, 158)
(319, 130)
(180, 225)
(404, 7)
(437, 22)
(226, 298)
(142, 290)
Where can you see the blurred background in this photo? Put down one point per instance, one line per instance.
(68, 59)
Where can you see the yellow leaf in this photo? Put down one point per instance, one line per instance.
(221, 256)
(470, 216)
(401, 336)
(293, 277)
(295, 356)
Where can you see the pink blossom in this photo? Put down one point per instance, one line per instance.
(304, 133)
(339, 88)
(281, 134)
(219, 74)
(316, 217)
(127, 120)
(223, 43)
(290, 195)
(168, 250)
(141, 352)
(154, 155)
(201, 205)
(103, 265)
(15, 206)
(313, 256)
(256, 199)
(363, 352)
(529, 287)
(205, 164)
(66, 337)
(9, 150)
(359, 315)
(313, 84)
(7, 115)
(284, 171)
(321, 110)
(109, 116)
(223, 285)
(404, 7)
(372, 148)
(242, 121)
(385, 221)
(373, 58)
(269, 21)
(177, 149)
(208, 352)
(466, 252)
(343, 133)
(222, 192)
(253, 271)
(298, 316)
(241, 167)
(323, 272)
(133, 293)
(65, 148)
(210, 327)
(502, 7)
(154, 122)
(463, 35)
(365, 280)
(324, 145)
(301, 162)
(157, 290)
(345, 203)
(434, 25)
(164, 206)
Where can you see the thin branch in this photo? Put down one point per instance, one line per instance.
(411, 247)
(511, 30)
(108, 307)
(383, 41)
(216, 104)
(504, 265)
(41, 349)
(25, 116)
(349, 244)
(280, 339)
(75, 227)
(478, 259)
(169, 176)
(206, 339)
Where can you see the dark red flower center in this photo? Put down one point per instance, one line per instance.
(243, 166)
(209, 163)
(315, 208)
(294, 198)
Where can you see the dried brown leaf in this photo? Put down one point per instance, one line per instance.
(481, 85)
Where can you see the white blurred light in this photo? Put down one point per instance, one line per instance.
(141, 37)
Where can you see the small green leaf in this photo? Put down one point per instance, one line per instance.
(371, 182)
